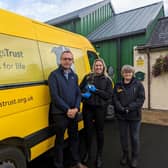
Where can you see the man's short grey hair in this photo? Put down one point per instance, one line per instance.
(127, 68)
(59, 51)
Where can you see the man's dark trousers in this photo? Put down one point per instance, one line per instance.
(61, 123)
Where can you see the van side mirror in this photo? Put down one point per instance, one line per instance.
(110, 71)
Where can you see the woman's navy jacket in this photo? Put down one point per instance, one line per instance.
(131, 97)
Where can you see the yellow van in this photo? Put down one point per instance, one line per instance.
(27, 56)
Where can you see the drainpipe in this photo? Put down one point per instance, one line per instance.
(149, 78)
(119, 59)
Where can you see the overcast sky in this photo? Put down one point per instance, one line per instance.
(43, 10)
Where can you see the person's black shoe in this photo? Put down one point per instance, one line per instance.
(124, 160)
(99, 162)
(133, 163)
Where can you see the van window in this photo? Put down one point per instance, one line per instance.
(19, 60)
(91, 56)
(51, 56)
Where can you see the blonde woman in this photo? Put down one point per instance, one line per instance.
(129, 96)
(96, 89)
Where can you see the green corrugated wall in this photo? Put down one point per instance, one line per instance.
(108, 49)
(90, 22)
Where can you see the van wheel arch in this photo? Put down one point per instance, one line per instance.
(12, 157)
(18, 143)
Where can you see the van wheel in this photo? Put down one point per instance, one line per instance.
(11, 157)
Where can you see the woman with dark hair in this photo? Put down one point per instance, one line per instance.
(129, 96)
(96, 89)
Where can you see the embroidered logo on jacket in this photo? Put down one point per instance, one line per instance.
(119, 90)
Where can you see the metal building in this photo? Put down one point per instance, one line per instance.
(155, 66)
(113, 35)
(85, 20)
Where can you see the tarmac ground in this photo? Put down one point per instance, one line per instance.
(153, 153)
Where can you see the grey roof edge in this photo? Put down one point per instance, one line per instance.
(119, 36)
(143, 47)
(58, 20)
(162, 18)
(76, 14)
(152, 46)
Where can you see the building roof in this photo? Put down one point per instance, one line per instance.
(159, 36)
(79, 13)
(127, 23)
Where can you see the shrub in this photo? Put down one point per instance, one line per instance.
(160, 66)
(165, 64)
(157, 67)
